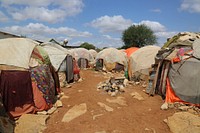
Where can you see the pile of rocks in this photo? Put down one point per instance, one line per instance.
(113, 85)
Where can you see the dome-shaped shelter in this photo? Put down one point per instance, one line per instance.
(142, 59)
(93, 53)
(177, 73)
(111, 59)
(130, 50)
(83, 57)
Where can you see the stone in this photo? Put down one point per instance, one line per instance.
(125, 83)
(184, 122)
(31, 123)
(144, 86)
(171, 105)
(164, 106)
(80, 80)
(137, 96)
(106, 107)
(192, 111)
(42, 112)
(118, 100)
(58, 103)
(75, 112)
(51, 110)
(113, 94)
(95, 116)
(64, 97)
(183, 108)
(165, 121)
(80, 90)
(137, 83)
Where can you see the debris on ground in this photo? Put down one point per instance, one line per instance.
(113, 85)
(181, 107)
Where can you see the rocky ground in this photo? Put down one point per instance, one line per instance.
(86, 109)
(102, 113)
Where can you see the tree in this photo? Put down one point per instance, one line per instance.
(87, 46)
(138, 36)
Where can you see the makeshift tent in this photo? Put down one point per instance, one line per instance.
(56, 53)
(16, 51)
(16, 85)
(83, 57)
(61, 59)
(177, 76)
(112, 59)
(141, 60)
(93, 53)
(130, 50)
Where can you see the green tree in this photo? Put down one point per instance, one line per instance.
(138, 36)
(87, 46)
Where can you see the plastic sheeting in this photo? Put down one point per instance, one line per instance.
(16, 51)
(56, 53)
(82, 53)
(93, 53)
(112, 55)
(142, 59)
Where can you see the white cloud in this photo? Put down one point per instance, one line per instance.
(40, 13)
(155, 26)
(43, 10)
(40, 31)
(3, 17)
(111, 24)
(192, 6)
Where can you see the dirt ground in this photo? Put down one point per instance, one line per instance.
(137, 117)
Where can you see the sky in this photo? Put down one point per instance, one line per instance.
(98, 22)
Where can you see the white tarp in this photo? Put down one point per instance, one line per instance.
(143, 58)
(112, 55)
(16, 51)
(93, 53)
(56, 53)
(82, 53)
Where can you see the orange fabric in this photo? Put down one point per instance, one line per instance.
(18, 111)
(171, 96)
(131, 50)
(38, 99)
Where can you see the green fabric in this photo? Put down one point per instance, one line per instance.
(45, 55)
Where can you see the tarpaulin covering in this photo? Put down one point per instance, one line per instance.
(184, 80)
(112, 56)
(93, 53)
(142, 59)
(45, 83)
(82, 53)
(130, 50)
(56, 53)
(16, 91)
(16, 51)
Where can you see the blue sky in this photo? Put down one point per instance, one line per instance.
(99, 22)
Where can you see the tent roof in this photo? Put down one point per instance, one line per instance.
(56, 53)
(182, 39)
(16, 51)
(143, 58)
(82, 53)
(112, 55)
(131, 50)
